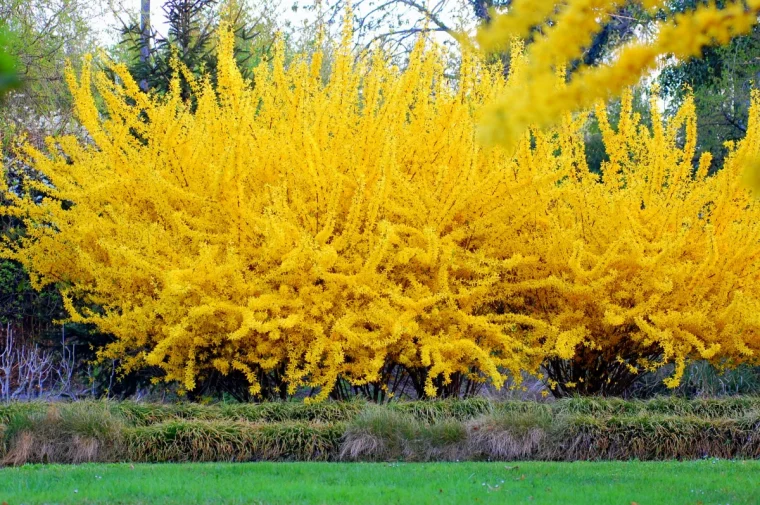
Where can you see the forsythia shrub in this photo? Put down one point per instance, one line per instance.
(655, 260)
(318, 231)
(657, 306)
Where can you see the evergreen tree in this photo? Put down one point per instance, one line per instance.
(191, 39)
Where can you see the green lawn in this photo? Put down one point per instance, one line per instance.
(644, 483)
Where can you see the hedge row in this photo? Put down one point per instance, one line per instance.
(509, 436)
(146, 414)
(576, 429)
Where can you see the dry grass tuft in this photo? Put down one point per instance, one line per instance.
(511, 435)
(70, 433)
(382, 434)
(378, 434)
(3, 443)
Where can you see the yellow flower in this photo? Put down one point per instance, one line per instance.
(312, 230)
(566, 30)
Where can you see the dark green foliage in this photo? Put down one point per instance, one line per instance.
(191, 39)
(300, 441)
(9, 411)
(8, 76)
(33, 316)
(22, 305)
(701, 379)
(326, 412)
(721, 80)
(144, 414)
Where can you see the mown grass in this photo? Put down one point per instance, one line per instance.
(476, 430)
(664, 483)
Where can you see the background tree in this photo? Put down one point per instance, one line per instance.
(43, 35)
(145, 39)
(191, 39)
(721, 81)
(395, 24)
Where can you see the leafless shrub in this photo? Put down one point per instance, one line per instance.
(66, 367)
(26, 368)
(7, 364)
(28, 371)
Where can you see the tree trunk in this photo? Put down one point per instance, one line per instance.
(145, 35)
